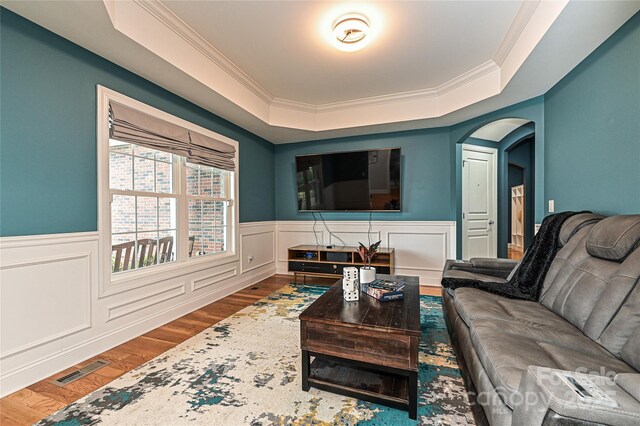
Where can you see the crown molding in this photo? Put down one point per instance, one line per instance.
(470, 87)
(166, 17)
(412, 95)
(523, 17)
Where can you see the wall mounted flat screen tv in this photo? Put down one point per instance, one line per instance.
(350, 181)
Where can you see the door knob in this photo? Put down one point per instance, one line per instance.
(491, 222)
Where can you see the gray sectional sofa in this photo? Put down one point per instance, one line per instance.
(513, 352)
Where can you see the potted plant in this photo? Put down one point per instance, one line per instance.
(368, 273)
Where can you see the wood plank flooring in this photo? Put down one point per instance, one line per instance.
(43, 398)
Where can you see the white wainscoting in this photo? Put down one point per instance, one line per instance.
(421, 248)
(51, 315)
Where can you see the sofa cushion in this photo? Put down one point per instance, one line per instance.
(507, 349)
(615, 237)
(473, 304)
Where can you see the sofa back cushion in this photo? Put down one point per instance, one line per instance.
(564, 264)
(614, 237)
(575, 223)
(618, 336)
(591, 291)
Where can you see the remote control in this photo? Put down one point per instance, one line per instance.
(586, 389)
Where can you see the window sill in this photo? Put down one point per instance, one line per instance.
(142, 278)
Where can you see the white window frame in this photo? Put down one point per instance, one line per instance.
(117, 283)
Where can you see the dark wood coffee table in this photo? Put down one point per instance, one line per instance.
(365, 349)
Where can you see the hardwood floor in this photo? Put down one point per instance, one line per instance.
(43, 398)
(514, 253)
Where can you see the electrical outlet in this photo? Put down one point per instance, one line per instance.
(552, 206)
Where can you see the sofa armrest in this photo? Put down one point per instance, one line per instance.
(491, 263)
(545, 399)
(500, 268)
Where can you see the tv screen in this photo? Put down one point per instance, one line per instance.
(350, 181)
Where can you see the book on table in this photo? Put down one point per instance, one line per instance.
(384, 290)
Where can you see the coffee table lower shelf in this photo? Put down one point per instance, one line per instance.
(386, 386)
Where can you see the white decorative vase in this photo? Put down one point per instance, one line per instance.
(367, 275)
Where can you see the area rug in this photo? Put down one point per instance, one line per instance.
(245, 370)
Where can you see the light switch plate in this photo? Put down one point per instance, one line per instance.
(552, 206)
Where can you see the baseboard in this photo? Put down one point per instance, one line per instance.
(39, 370)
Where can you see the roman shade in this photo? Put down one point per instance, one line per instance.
(130, 125)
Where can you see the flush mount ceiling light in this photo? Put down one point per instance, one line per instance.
(350, 32)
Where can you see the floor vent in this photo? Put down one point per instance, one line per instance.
(79, 373)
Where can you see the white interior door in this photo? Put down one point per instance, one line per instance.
(479, 202)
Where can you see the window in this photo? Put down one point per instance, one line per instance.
(159, 207)
(206, 190)
(143, 206)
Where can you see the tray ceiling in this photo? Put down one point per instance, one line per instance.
(267, 65)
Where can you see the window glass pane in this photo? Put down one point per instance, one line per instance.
(122, 252)
(141, 151)
(120, 171)
(213, 213)
(123, 217)
(164, 177)
(167, 251)
(195, 214)
(166, 213)
(196, 240)
(147, 213)
(164, 156)
(219, 177)
(206, 173)
(147, 244)
(120, 147)
(207, 244)
(206, 181)
(143, 175)
(192, 242)
(192, 180)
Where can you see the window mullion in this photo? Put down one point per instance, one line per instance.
(183, 208)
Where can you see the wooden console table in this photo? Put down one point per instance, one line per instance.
(326, 262)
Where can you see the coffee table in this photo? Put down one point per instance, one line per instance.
(365, 349)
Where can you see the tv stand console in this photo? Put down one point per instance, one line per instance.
(320, 261)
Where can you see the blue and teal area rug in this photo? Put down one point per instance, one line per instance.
(245, 370)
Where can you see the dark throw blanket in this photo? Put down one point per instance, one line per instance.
(527, 282)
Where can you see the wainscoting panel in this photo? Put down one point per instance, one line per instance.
(421, 248)
(257, 247)
(42, 300)
(52, 314)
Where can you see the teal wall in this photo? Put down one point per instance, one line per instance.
(425, 164)
(587, 145)
(592, 129)
(48, 170)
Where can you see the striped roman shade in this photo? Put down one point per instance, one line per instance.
(130, 125)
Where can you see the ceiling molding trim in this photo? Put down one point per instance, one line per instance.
(166, 17)
(455, 83)
(520, 22)
(480, 83)
(539, 22)
(468, 77)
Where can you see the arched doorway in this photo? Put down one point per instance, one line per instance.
(486, 220)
